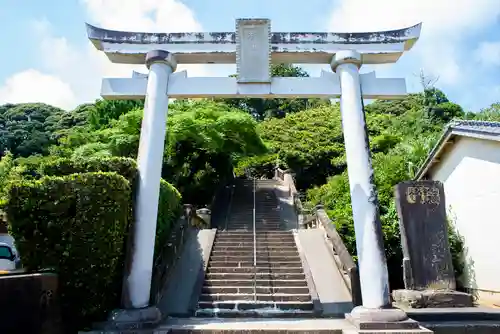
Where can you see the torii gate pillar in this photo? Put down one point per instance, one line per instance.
(369, 242)
(253, 47)
(364, 200)
(149, 163)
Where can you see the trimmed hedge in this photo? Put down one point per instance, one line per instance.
(170, 198)
(125, 167)
(73, 197)
(75, 224)
(169, 209)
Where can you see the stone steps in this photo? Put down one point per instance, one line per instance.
(258, 252)
(256, 313)
(240, 236)
(249, 258)
(260, 242)
(259, 283)
(233, 287)
(276, 286)
(301, 290)
(260, 269)
(246, 264)
(258, 239)
(244, 305)
(239, 221)
(249, 221)
(259, 220)
(258, 275)
(247, 215)
(258, 297)
(249, 228)
(250, 246)
(262, 234)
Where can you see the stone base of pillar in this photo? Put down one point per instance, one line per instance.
(141, 318)
(432, 299)
(383, 321)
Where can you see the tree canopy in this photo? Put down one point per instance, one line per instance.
(277, 108)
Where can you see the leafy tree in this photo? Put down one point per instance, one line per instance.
(436, 102)
(203, 138)
(28, 128)
(491, 113)
(267, 108)
(309, 142)
(103, 112)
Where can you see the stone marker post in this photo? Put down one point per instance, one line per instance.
(427, 264)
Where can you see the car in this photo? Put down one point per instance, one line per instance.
(9, 240)
(7, 258)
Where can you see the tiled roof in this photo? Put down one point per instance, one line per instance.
(476, 126)
(476, 129)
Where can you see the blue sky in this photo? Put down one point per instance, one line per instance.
(47, 57)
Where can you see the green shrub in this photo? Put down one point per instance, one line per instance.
(75, 224)
(258, 166)
(457, 254)
(51, 166)
(125, 167)
(170, 198)
(168, 211)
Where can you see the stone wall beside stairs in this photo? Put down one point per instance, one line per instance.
(221, 202)
(170, 253)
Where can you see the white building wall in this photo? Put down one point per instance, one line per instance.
(470, 172)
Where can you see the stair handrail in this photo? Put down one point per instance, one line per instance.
(230, 204)
(249, 175)
(286, 178)
(254, 245)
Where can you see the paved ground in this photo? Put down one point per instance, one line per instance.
(250, 324)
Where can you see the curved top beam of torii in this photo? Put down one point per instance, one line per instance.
(379, 47)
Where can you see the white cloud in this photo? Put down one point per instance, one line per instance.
(488, 53)
(33, 86)
(446, 26)
(146, 15)
(73, 71)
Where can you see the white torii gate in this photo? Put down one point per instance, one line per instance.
(253, 47)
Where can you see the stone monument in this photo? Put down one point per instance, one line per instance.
(253, 47)
(205, 216)
(427, 264)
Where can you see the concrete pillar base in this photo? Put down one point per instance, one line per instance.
(139, 318)
(382, 320)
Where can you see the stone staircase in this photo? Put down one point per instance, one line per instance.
(276, 286)
(267, 213)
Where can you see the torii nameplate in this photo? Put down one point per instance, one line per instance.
(253, 50)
